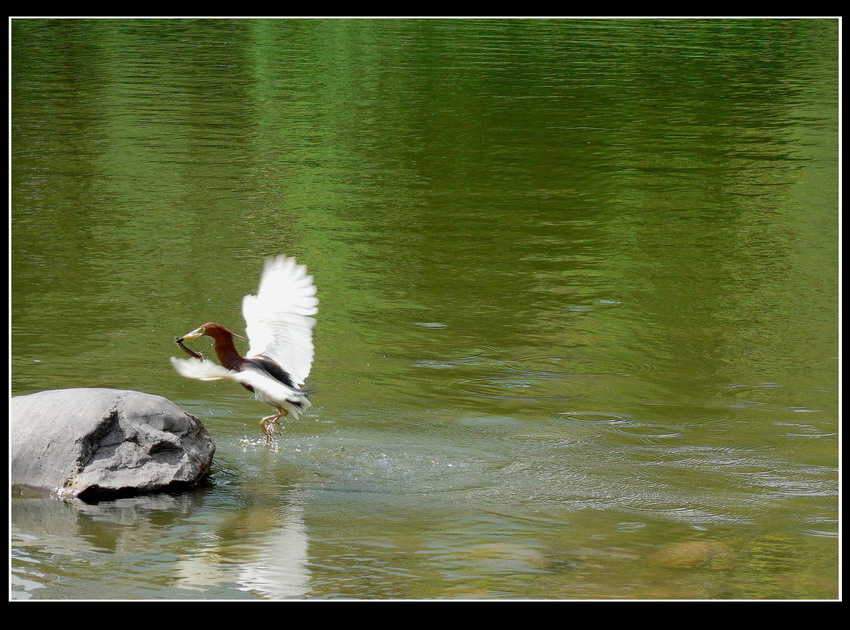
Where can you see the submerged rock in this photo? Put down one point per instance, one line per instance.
(96, 442)
(704, 554)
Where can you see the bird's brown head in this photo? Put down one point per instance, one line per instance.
(210, 329)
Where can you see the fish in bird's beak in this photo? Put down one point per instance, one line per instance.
(198, 332)
(192, 335)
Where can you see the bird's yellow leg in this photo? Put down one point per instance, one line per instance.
(264, 427)
(272, 419)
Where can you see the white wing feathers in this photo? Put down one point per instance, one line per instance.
(278, 319)
(201, 370)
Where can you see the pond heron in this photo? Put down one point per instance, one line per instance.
(279, 325)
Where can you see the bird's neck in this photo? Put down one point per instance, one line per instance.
(228, 356)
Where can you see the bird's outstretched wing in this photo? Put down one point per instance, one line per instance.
(278, 319)
(201, 370)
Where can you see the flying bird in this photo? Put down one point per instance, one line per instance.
(279, 326)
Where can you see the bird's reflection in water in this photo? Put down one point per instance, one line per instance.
(262, 549)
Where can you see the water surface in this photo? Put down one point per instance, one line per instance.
(577, 335)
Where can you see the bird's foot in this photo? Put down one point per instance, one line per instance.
(268, 430)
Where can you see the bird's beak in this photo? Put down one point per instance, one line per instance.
(198, 332)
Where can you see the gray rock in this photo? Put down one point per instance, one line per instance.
(95, 442)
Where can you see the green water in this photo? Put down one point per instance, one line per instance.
(577, 336)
